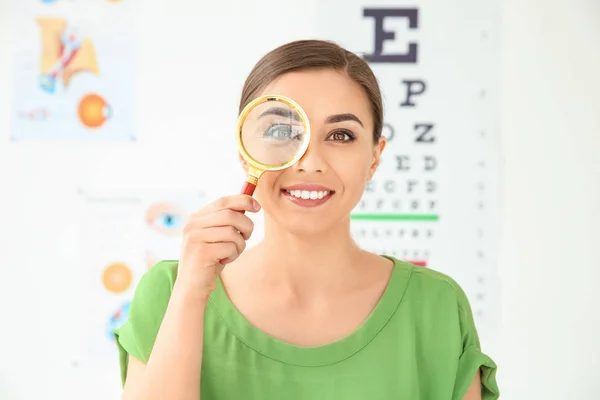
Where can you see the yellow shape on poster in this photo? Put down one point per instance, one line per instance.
(117, 277)
(65, 52)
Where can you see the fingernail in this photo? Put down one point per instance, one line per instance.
(256, 206)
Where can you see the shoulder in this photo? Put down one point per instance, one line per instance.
(154, 287)
(436, 297)
(146, 311)
(437, 300)
(159, 279)
(152, 293)
(432, 283)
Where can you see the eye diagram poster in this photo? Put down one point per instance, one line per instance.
(433, 201)
(73, 71)
(123, 233)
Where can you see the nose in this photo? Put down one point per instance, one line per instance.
(313, 160)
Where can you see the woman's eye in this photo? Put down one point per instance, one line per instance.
(281, 131)
(342, 136)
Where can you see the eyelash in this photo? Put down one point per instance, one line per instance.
(349, 134)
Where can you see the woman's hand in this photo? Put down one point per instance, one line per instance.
(214, 236)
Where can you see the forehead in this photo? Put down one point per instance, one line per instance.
(322, 93)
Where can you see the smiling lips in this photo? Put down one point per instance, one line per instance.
(307, 195)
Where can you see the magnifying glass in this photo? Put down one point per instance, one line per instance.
(272, 134)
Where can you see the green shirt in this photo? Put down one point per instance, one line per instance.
(420, 342)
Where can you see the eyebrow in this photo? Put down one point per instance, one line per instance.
(332, 119)
(281, 112)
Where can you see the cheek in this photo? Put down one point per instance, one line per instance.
(354, 174)
(266, 184)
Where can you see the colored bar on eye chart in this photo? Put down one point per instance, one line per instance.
(395, 217)
(418, 263)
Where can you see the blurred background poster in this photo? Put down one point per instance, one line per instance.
(73, 71)
(121, 234)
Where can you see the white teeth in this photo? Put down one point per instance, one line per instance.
(306, 194)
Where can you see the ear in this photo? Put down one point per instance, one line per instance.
(377, 150)
(243, 162)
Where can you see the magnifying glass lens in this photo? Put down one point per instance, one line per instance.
(273, 134)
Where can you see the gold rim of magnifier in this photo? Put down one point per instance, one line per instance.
(257, 168)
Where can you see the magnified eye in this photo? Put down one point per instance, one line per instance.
(165, 218)
(282, 132)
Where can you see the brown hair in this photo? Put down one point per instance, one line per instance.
(314, 54)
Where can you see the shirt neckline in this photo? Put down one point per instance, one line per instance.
(330, 353)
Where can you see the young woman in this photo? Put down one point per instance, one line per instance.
(305, 314)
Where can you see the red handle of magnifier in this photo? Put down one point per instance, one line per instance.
(248, 189)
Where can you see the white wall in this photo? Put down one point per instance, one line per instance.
(551, 198)
(550, 195)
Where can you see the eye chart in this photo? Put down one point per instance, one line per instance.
(433, 201)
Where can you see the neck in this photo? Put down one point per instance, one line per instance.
(308, 263)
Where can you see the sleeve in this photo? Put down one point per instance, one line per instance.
(472, 358)
(151, 297)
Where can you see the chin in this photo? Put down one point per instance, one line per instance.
(306, 226)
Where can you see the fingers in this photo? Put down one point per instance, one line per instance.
(220, 234)
(238, 202)
(213, 251)
(222, 218)
(222, 252)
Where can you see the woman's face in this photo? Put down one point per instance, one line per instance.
(327, 183)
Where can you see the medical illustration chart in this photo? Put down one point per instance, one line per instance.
(73, 71)
(123, 233)
(433, 201)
